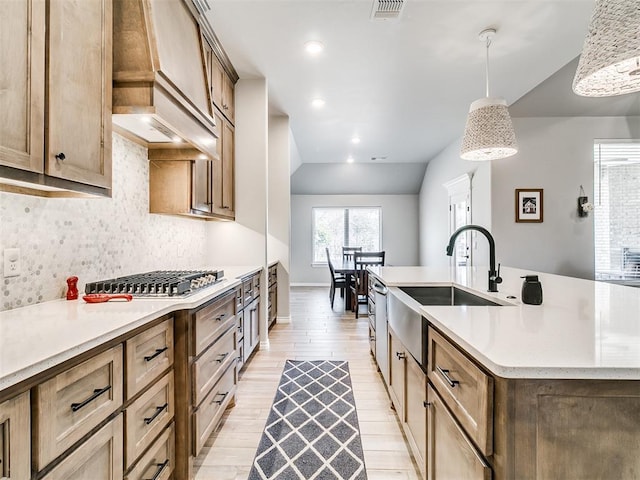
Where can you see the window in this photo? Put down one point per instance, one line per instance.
(335, 227)
(616, 219)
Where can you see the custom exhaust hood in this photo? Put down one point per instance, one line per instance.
(160, 90)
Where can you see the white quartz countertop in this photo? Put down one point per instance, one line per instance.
(583, 329)
(38, 337)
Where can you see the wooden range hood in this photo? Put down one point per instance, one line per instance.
(160, 91)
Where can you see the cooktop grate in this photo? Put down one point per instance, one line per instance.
(159, 283)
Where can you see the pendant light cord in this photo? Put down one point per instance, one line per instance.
(487, 65)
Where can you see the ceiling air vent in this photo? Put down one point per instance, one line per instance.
(387, 9)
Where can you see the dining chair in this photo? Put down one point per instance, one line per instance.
(337, 281)
(347, 252)
(360, 285)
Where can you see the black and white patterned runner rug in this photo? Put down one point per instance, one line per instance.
(312, 430)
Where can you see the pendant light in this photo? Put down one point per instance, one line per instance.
(610, 60)
(489, 132)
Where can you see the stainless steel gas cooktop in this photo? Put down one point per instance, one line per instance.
(159, 283)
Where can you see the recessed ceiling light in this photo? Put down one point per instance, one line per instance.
(355, 140)
(207, 141)
(202, 156)
(317, 103)
(313, 47)
(176, 139)
(350, 159)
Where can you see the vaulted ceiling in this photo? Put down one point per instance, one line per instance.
(402, 86)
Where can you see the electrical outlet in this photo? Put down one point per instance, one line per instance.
(12, 263)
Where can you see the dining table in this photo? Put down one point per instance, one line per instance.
(348, 269)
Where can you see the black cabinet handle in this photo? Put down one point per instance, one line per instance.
(426, 404)
(222, 357)
(219, 318)
(158, 411)
(445, 373)
(60, 156)
(161, 467)
(219, 402)
(96, 393)
(158, 351)
(400, 355)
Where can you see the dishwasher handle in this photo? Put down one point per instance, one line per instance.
(380, 288)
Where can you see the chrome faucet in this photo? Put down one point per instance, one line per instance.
(494, 275)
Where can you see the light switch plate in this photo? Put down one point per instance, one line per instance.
(12, 262)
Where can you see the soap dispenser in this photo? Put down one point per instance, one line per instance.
(531, 290)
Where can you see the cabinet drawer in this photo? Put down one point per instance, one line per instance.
(99, 458)
(465, 389)
(451, 454)
(158, 462)
(148, 355)
(210, 366)
(247, 291)
(208, 414)
(70, 405)
(15, 438)
(212, 321)
(147, 417)
(239, 298)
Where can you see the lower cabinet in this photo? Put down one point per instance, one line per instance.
(15, 438)
(273, 295)
(408, 392)
(251, 320)
(451, 454)
(98, 458)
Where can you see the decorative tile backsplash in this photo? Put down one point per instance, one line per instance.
(94, 239)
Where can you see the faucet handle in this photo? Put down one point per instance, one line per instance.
(498, 278)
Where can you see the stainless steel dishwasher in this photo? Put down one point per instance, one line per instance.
(382, 335)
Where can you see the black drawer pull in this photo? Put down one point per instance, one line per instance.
(158, 411)
(219, 319)
(222, 357)
(445, 373)
(401, 355)
(219, 402)
(158, 351)
(426, 404)
(161, 467)
(96, 393)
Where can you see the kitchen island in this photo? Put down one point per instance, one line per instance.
(122, 389)
(514, 390)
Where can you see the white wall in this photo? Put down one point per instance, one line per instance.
(243, 242)
(399, 230)
(556, 154)
(279, 207)
(434, 205)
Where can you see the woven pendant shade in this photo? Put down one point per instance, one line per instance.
(610, 60)
(489, 133)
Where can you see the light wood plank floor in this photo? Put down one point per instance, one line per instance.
(315, 333)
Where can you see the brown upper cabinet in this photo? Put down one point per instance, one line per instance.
(55, 131)
(221, 82)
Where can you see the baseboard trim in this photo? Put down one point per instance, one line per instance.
(283, 320)
(310, 285)
(264, 344)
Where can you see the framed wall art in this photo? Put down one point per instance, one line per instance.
(529, 205)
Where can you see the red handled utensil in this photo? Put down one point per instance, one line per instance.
(105, 297)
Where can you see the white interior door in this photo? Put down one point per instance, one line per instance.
(459, 192)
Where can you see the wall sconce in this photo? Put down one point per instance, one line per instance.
(584, 205)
